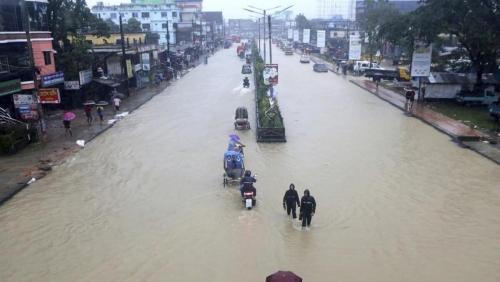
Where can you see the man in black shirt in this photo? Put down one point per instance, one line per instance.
(307, 208)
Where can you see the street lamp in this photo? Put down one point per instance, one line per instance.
(269, 21)
(264, 13)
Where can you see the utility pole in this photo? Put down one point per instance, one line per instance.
(192, 27)
(27, 27)
(168, 44)
(259, 36)
(270, 52)
(124, 64)
(264, 37)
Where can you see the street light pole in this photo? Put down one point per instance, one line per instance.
(270, 52)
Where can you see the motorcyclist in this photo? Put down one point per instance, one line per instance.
(290, 200)
(307, 208)
(247, 181)
(246, 81)
(232, 144)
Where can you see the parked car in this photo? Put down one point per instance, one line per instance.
(471, 98)
(320, 67)
(304, 59)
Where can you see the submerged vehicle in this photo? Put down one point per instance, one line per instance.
(246, 69)
(241, 119)
(234, 167)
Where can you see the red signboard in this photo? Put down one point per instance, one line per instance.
(49, 96)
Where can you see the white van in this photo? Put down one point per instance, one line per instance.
(360, 66)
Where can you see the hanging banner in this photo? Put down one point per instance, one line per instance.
(290, 33)
(296, 36)
(85, 76)
(321, 38)
(49, 96)
(129, 68)
(421, 59)
(145, 61)
(354, 48)
(306, 35)
(270, 74)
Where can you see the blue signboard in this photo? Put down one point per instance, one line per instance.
(24, 109)
(86, 76)
(52, 79)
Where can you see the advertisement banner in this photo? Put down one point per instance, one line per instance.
(52, 79)
(306, 35)
(49, 96)
(321, 38)
(23, 99)
(29, 111)
(129, 68)
(295, 35)
(290, 33)
(9, 87)
(71, 85)
(86, 76)
(354, 48)
(421, 59)
(270, 74)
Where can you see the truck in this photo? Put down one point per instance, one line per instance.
(400, 74)
(482, 97)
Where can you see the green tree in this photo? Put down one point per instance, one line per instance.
(377, 13)
(303, 23)
(132, 25)
(113, 28)
(474, 23)
(76, 58)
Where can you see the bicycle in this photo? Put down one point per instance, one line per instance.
(408, 105)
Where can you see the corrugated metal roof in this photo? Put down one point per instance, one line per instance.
(458, 78)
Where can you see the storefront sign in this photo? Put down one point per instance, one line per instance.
(320, 35)
(23, 99)
(306, 35)
(49, 96)
(24, 109)
(86, 76)
(52, 79)
(30, 113)
(145, 61)
(71, 85)
(270, 74)
(129, 68)
(9, 87)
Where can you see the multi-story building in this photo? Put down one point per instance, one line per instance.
(16, 75)
(154, 16)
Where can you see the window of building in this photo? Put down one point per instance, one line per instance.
(166, 37)
(145, 14)
(46, 58)
(174, 14)
(163, 25)
(135, 15)
(146, 26)
(164, 14)
(112, 15)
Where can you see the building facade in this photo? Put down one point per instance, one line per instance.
(16, 74)
(154, 18)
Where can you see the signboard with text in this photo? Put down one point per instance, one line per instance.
(295, 35)
(354, 48)
(9, 87)
(53, 79)
(270, 74)
(49, 96)
(23, 99)
(421, 59)
(321, 38)
(85, 76)
(71, 85)
(290, 33)
(129, 68)
(306, 35)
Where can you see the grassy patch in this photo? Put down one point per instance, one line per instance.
(472, 116)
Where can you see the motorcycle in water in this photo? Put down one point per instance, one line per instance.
(246, 84)
(249, 199)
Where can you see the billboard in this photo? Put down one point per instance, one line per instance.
(270, 74)
(421, 59)
(306, 35)
(290, 33)
(354, 48)
(321, 38)
(295, 35)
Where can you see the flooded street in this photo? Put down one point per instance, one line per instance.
(397, 201)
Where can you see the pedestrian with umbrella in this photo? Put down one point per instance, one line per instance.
(88, 110)
(67, 118)
(100, 110)
(233, 141)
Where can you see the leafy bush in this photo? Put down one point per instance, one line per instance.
(262, 98)
(10, 134)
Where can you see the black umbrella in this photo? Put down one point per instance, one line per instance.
(283, 276)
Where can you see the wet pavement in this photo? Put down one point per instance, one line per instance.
(18, 169)
(485, 144)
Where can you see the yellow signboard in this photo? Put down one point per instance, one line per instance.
(129, 69)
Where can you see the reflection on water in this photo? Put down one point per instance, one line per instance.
(397, 201)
